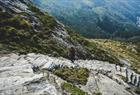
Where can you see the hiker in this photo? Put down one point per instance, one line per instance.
(72, 54)
(126, 72)
(35, 68)
(135, 80)
(131, 77)
(138, 85)
(116, 66)
(120, 69)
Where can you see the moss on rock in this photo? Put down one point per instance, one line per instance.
(73, 75)
(73, 90)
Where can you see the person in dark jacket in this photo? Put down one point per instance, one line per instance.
(131, 78)
(116, 67)
(72, 54)
(135, 80)
(35, 68)
(138, 85)
(126, 72)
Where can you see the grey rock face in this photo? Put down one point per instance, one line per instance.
(18, 78)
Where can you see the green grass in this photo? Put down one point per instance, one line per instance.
(49, 23)
(73, 90)
(92, 48)
(123, 78)
(1, 47)
(73, 75)
(100, 53)
(137, 90)
(18, 35)
(97, 93)
(122, 50)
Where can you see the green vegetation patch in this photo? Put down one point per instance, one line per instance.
(73, 90)
(49, 23)
(124, 50)
(73, 75)
(100, 53)
(17, 33)
(137, 90)
(92, 48)
(98, 93)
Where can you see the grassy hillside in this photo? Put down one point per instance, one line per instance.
(93, 49)
(124, 50)
(18, 34)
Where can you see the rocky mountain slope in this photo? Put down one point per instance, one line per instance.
(97, 18)
(24, 28)
(52, 77)
(31, 38)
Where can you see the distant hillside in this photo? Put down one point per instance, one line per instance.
(97, 18)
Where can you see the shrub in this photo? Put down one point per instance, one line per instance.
(48, 21)
(137, 90)
(73, 75)
(70, 88)
(100, 54)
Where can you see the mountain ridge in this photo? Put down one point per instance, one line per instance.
(97, 19)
